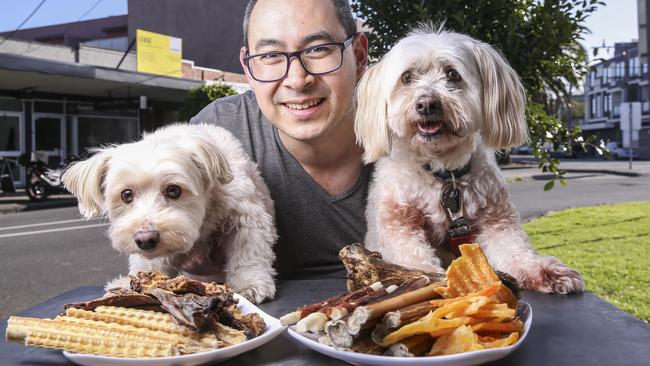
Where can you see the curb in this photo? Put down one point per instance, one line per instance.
(9, 208)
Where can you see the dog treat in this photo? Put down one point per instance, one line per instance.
(362, 314)
(19, 327)
(405, 315)
(342, 300)
(365, 267)
(417, 345)
(477, 311)
(198, 317)
(86, 343)
(469, 273)
(126, 298)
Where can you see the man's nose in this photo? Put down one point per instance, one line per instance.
(297, 76)
(146, 239)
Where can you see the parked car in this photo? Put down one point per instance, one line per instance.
(524, 149)
(620, 153)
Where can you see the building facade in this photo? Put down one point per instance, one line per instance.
(69, 87)
(617, 99)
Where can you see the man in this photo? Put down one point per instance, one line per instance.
(302, 59)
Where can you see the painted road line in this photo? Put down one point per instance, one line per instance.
(46, 223)
(51, 230)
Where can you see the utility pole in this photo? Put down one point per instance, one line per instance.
(626, 79)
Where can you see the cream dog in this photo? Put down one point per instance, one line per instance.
(184, 199)
(431, 113)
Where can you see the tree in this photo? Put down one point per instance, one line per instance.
(540, 39)
(200, 97)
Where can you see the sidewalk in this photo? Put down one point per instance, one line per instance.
(524, 167)
(18, 201)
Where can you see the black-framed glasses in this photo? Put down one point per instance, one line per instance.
(317, 60)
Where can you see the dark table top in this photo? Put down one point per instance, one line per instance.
(566, 330)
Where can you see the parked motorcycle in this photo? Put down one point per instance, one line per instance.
(43, 181)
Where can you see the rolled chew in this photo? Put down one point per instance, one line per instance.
(407, 314)
(302, 312)
(315, 322)
(363, 314)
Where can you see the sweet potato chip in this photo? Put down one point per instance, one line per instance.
(460, 340)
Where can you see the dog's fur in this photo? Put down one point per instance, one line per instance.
(466, 119)
(220, 228)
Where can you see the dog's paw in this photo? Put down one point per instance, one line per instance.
(258, 292)
(120, 282)
(552, 276)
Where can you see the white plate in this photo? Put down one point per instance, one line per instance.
(273, 329)
(460, 359)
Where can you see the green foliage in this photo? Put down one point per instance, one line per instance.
(609, 245)
(200, 97)
(539, 39)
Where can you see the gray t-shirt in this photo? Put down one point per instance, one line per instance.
(312, 225)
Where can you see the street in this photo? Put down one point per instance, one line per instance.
(47, 252)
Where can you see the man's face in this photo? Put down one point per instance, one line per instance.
(302, 106)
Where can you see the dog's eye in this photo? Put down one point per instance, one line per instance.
(407, 77)
(173, 191)
(127, 196)
(453, 75)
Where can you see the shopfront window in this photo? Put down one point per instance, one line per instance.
(96, 131)
(9, 133)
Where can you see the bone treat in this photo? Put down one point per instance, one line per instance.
(365, 267)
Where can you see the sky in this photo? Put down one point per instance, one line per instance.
(615, 22)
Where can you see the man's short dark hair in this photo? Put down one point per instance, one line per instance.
(343, 13)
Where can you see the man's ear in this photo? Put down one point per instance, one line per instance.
(361, 54)
(242, 54)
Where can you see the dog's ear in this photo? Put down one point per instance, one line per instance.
(371, 119)
(210, 159)
(85, 178)
(504, 100)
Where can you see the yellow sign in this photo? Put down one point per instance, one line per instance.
(158, 53)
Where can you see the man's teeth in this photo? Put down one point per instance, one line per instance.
(311, 103)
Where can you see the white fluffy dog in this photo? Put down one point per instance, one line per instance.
(431, 113)
(184, 199)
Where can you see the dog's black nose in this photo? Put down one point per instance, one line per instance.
(427, 105)
(146, 239)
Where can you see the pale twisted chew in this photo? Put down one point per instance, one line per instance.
(202, 341)
(139, 318)
(85, 343)
(19, 328)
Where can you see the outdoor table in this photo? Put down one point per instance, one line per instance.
(566, 330)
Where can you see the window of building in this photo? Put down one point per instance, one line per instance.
(606, 104)
(9, 133)
(592, 106)
(634, 66)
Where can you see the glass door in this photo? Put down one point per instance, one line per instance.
(49, 137)
(11, 144)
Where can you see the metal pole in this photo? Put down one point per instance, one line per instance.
(631, 134)
(626, 97)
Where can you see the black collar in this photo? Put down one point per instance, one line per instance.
(447, 174)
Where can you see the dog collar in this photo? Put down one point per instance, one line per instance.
(459, 230)
(448, 175)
